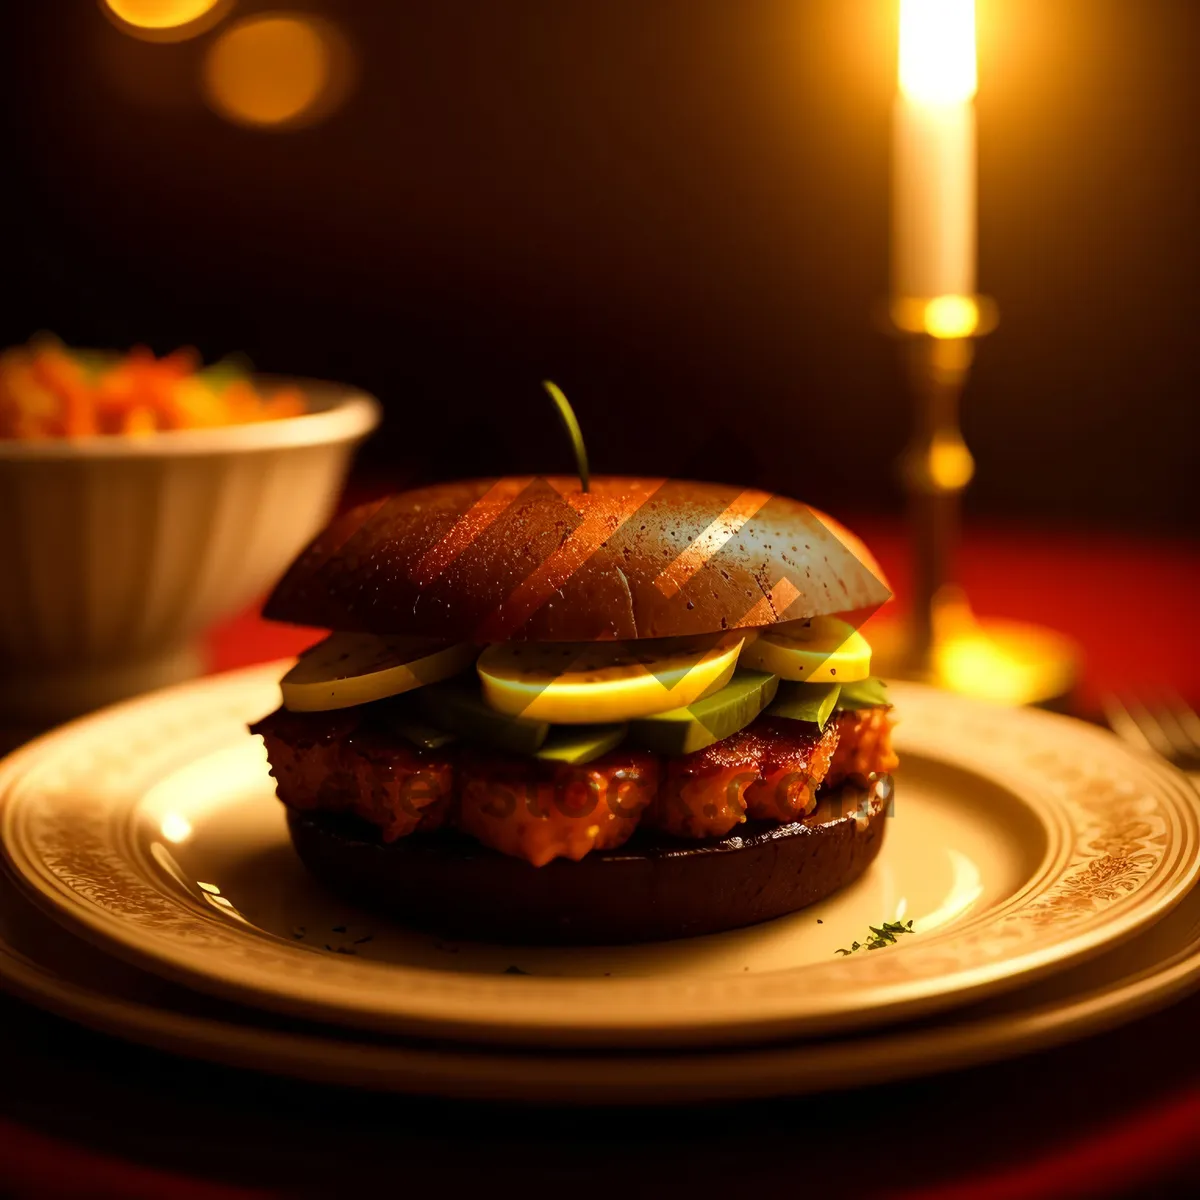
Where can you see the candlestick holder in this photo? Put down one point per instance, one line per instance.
(942, 642)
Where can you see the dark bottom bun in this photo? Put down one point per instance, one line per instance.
(648, 890)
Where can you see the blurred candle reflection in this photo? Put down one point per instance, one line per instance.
(176, 827)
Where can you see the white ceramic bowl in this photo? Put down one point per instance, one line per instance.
(117, 552)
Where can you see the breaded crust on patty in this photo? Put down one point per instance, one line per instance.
(348, 761)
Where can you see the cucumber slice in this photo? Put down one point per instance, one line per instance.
(814, 650)
(348, 669)
(708, 720)
(588, 683)
(805, 702)
(459, 708)
(580, 743)
(864, 693)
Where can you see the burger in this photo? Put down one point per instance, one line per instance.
(551, 710)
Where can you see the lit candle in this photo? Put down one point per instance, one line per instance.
(933, 238)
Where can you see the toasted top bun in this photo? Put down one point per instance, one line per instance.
(537, 559)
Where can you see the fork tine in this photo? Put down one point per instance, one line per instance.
(1185, 718)
(1124, 724)
(1148, 722)
(1174, 732)
(1164, 728)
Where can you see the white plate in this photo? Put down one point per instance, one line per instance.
(1021, 842)
(48, 967)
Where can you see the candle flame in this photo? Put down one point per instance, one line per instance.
(951, 317)
(937, 50)
(947, 318)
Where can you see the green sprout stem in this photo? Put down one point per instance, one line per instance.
(567, 413)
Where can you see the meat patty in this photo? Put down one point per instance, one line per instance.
(348, 761)
(540, 810)
(768, 771)
(864, 747)
(344, 761)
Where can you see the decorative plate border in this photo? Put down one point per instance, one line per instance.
(1125, 847)
(1026, 1020)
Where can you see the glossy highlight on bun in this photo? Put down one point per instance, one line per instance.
(537, 559)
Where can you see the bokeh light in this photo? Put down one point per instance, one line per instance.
(279, 70)
(165, 20)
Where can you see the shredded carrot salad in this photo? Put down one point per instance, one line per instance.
(48, 390)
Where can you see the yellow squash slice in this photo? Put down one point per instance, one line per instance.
(572, 683)
(355, 668)
(817, 650)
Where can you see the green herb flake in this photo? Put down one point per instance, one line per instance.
(883, 935)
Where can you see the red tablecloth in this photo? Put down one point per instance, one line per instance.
(1118, 1114)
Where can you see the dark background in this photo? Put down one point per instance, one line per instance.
(678, 209)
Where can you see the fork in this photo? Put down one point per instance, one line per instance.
(1169, 728)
